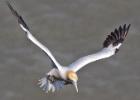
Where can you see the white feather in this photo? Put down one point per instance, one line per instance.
(41, 46)
(104, 53)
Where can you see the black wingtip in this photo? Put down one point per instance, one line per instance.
(15, 13)
(11, 8)
(117, 36)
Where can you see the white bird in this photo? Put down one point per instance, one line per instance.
(64, 75)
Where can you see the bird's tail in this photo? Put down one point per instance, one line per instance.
(46, 85)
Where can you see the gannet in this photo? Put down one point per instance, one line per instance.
(60, 75)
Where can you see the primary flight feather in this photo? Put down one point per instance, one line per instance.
(110, 46)
(59, 76)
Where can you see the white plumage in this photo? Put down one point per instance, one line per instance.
(60, 75)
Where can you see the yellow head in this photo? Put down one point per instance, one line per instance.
(72, 76)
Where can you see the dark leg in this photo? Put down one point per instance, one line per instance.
(51, 78)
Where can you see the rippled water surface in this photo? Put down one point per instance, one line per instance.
(70, 29)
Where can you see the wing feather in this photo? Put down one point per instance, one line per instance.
(25, 28)
(110, 47)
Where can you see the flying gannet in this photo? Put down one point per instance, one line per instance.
(59, 76)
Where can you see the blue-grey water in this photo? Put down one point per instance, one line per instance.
(70, 29)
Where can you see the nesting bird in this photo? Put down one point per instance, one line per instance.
(60, 75)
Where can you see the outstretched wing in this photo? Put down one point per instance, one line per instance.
(110, 47)
(25, 28)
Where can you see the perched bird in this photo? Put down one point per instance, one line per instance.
(60, 75)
